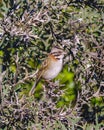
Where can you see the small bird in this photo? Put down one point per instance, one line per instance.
(50, 67)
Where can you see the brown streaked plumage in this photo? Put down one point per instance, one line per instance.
(50, 67)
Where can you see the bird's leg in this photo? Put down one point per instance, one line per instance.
(52, 84)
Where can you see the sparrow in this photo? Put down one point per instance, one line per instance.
(50, 67)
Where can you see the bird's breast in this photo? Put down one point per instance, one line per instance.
(53, 70)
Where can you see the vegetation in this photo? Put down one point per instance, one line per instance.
(74, 100)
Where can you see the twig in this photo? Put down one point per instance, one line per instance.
(25, 78)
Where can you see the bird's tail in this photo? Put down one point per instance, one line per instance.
(33, 89)
(35, 84)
